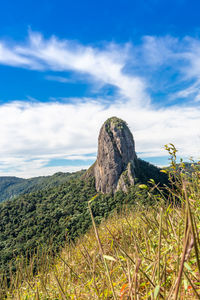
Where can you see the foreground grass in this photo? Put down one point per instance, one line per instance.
(142, 253)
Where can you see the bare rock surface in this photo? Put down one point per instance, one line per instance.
(116, 162)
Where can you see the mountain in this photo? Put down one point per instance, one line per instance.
(116, 164)
(11, 187)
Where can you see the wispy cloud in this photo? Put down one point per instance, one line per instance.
(58, 78)
(103, 65)
(11, 58)
(179, 58)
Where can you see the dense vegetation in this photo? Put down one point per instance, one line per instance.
(46, 218)
(6, 182)
(11, 187)
(140, 252)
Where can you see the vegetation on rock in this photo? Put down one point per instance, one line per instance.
(119, 124)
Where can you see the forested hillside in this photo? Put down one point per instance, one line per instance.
(48, 217)
(11, 187)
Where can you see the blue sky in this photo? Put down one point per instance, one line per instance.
(67, 66)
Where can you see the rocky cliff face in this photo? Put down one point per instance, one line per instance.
(116, 162)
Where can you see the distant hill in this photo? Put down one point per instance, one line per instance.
(188, 167)
(10, 187)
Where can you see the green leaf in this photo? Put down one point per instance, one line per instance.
(143, 186)
(185, 282)
(93, 198)
(122, 258)
(187, 266)
(163, 171)
(156, 291)
(109, 257)
(168, 208)
(152, 181)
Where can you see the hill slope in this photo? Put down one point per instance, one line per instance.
(141, 253)
(11, 187)
(45, 218)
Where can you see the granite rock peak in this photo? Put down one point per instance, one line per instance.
(116, 164)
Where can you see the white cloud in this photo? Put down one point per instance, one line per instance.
(32, 134)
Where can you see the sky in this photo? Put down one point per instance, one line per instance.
(67, 66)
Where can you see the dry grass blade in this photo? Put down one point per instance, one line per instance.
(192, 226)
(60, 287)
(101, 249)
(159, 245)
(128, 256)
(136, 277)
(177, 284)
(192, 285)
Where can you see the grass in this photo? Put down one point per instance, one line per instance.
(141, 253)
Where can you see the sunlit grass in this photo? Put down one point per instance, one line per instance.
(141, 253)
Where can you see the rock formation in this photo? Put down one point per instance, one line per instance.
(116, 162)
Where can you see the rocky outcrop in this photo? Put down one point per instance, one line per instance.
(116, 163)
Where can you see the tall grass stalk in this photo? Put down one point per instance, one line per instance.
(101, 248)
